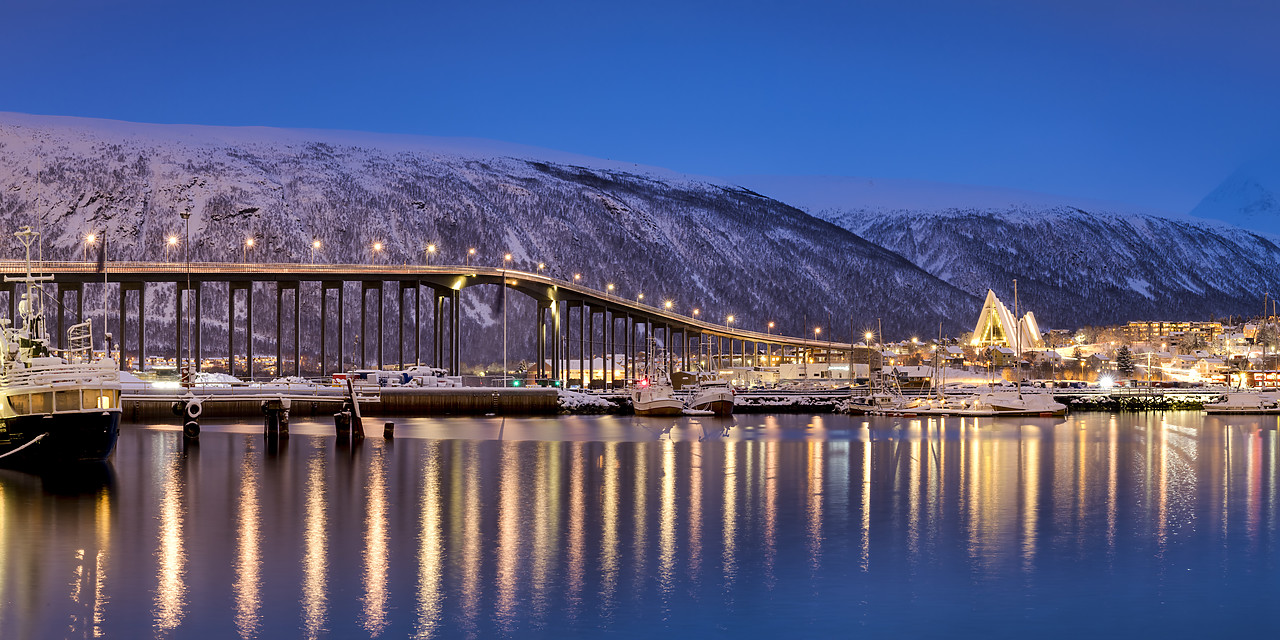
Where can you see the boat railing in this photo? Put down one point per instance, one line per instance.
(85, 373)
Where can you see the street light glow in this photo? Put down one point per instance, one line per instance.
(667, 304)
(868, 336)
(171, 240)
(471, 251)
(377, 246)
(248, 242)
(315, 244)
(729, 319)
(577, 277)
(91, 238)
(431, 248)
(697, 311)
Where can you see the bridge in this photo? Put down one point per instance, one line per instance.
(624, 325)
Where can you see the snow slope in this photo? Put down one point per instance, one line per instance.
(698, 242)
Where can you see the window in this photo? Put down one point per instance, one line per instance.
(42, 402)
(20, 403)
(66, 401)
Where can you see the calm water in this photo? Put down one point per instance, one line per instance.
(790, 526)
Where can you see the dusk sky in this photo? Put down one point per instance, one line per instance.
(1144, 102)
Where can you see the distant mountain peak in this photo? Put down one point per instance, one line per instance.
(1248, 198)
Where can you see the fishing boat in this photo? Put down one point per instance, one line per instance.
(655, 397)
(713, 394)
(653, 394)
(59, 407)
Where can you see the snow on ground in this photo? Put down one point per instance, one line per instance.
(578, 402)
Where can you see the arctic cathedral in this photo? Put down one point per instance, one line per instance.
(997, 327)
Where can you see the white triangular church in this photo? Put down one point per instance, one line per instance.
(997, 327)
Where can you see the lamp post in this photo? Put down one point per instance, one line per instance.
(315, 248)
(541, 266)
(377, 248)
(248, 244)
(89, 241)
(609, 288)
(186, 254)
(431, 248)
(470, 252)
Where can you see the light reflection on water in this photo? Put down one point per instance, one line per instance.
(787, 525)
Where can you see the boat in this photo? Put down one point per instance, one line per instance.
(655, 397)
(60, 407)
(712, 394)
(652, 394)
(1246, 402)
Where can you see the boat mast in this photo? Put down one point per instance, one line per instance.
(1017, 340)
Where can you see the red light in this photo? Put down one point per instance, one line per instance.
(644, 382)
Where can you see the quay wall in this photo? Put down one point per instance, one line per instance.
(392, 402)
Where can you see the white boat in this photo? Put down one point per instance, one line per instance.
(655, 398)
(1246, 402)
(714, 395)
(58, 407)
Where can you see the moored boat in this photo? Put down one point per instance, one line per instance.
(58, 407)
(1246, 402)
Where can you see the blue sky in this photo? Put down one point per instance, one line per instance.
(1144, 102)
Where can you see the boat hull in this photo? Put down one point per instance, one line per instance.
(659, 408)
(718, 407)
(47, 441)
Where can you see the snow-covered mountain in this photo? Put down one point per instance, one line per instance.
(699, 242)
(1249, 197)
(1077, 262)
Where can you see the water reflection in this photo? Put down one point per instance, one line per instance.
(785, 523)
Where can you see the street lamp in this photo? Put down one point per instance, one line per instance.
(315, 247)
(728, 319)
(640, 297)
(609, 287)
(769, 329)
(89, 241)
(431, 248)
(577, 277)
(470, 252)
(186, 252)
(697, 312)
(541, 266)
(377, 248)
(667, 305)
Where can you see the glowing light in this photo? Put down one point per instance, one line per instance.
(609, 287)
(506, 258)
(315, 244)
(248, 242)
(171, 240)
(729, 319)
(431, 248)
(91, 238)
(577, 277)
(667, 304)
(377, 246)
(1106, 382)
(868, 336)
